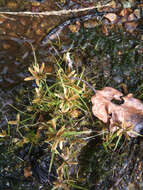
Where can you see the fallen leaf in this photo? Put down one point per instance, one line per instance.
(124, 19)
(48, 68)
(8, 26)
(123, 12)
(105, 30)
(6, 46)
(74, 27)
(129, 114)
(124, 86)
(90, 24)
(131, 17)
(113, 4)
(3, 133)
(23, 21)
(36, 4)
(27, 172)
(38, 31)
(75, 113)
(130, 26)
(12, 5)
(111, 16)
(137, 13)
(2, 19)
(140, 5)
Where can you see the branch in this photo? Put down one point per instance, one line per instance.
(57, 13)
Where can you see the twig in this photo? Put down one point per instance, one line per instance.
(77, 78)
(7, 17)
(56, 13)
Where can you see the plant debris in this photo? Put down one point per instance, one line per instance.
(126, 117)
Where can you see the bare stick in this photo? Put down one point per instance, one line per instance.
(57, 13)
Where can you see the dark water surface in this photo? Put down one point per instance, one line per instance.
(113, 58)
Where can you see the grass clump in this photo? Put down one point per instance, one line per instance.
(56, 117)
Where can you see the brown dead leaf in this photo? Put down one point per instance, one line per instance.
(140, 5)
(129, 114)
(6, 46)
(101, 100)
(8, 26)
(36, 4)
(27, 172)
(123, 12)
(113, 4)
(75, 113)
(124, 87)
(124, 19)
(3, 133)
(2, 19)
(130, 26)
(90, 24)
(131, 17)
(137, 13)
(38, 31)
(74, 27)
(23, 21)
(12, 5)
(105, 30)
(111, 16)
(48, 68)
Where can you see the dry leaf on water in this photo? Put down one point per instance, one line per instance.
(111, 16)
(27, 172)
(74, 27)
(131, 26)
(91, 24)
(128, 114)
(123, 12)
(132, 17)
(105, 30)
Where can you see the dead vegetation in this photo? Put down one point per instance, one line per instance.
(126, 117)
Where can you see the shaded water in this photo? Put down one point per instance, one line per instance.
(112, 58)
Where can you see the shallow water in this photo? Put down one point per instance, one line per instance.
(112, 58)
